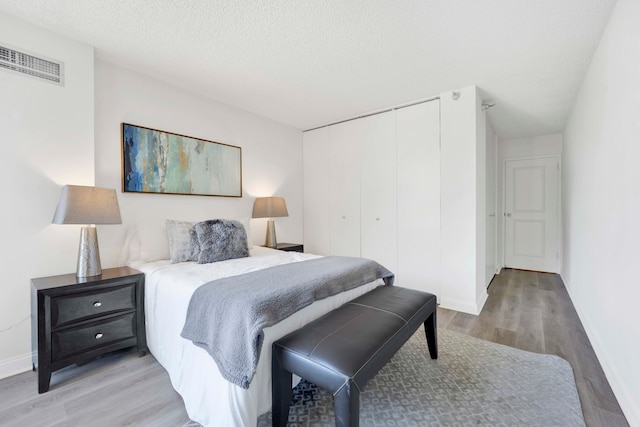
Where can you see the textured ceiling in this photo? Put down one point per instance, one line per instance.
(307, 63)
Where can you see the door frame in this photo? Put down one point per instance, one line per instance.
(503, 225)
(495, 180)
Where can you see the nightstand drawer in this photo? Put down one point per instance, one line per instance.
(92, 336)
(71, 308)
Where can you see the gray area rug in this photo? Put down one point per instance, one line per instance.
(473, 383)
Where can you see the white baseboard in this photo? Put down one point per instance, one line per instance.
(482, 299)
(463, 306)
(15, 365)
(628, 402)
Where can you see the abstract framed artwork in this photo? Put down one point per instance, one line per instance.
(154, 161)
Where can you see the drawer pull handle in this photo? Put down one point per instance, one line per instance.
(97, 304)
(99, 335)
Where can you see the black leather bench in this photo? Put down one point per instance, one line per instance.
(342, 350)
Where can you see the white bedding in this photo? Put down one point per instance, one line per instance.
(210, 399)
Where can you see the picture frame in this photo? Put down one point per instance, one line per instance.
(155, 161)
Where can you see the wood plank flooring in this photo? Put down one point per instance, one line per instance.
(527, 310)
(532, 311)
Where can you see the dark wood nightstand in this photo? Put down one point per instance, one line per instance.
(290, 247)
(76, 320)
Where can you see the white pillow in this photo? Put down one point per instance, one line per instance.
(130, 251)
(152, 237)
(245, 223)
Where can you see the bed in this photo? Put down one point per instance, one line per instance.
(210, 399)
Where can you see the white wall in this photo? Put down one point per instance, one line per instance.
(543, 145)
(462, 211)
(47, 141)
(518, 148)
(601, 187)
(271, 155)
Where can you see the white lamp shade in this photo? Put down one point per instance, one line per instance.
(269, 207)
(87, 205)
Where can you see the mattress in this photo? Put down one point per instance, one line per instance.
(210, 399)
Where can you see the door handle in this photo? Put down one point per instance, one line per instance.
(508, 214)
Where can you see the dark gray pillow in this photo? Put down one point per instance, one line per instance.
(221, 239)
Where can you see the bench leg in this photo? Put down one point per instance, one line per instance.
(346, 403)
(281, 393)
(430, 329)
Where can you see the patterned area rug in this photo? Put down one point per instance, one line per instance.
(473, 383)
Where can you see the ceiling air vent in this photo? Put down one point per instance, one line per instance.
(31, 65)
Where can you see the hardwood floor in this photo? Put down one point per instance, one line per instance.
(120, 389)
(528, 310)
(532, 311)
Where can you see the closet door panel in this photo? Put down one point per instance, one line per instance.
(345, 188)
(418, 131)
(378, 180)
(317, 191)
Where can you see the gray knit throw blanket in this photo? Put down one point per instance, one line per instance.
(227, 316)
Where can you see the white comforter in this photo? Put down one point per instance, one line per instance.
(209, 398)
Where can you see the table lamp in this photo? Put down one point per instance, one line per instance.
(270, 207)
(88, 206)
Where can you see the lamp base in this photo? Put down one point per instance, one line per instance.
(88, 253)
(270, 240)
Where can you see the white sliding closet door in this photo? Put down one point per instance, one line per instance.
(344, 171)
(418, 140)
(378, 215)
(317, 192)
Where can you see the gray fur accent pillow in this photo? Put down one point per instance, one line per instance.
(221, 239)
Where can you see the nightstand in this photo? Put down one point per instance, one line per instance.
(75, 320)
(290, 247)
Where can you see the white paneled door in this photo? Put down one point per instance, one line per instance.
(372, 189)
(344, 175)
(531, 214)
(378, 212)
